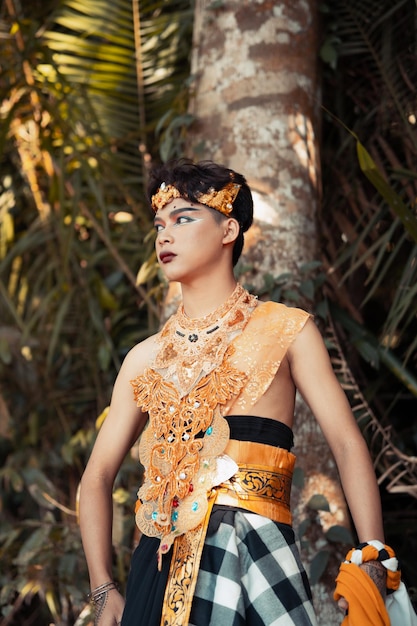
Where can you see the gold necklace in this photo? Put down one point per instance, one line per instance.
(201, 323)
(191, 348)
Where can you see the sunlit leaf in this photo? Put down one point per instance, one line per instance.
(100, 419)
(147, 271)
(372, 172)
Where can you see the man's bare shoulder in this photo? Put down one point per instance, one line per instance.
(308, 340)
(140, 357)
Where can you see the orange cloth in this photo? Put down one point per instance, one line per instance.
(366, 605)
(370, 553)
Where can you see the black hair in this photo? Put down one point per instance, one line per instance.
(192, 179)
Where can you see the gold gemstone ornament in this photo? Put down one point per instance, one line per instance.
(164, 195)
(221, 200)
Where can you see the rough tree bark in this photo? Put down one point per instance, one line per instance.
(256, 99)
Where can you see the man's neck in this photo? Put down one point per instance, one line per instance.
(202, 299)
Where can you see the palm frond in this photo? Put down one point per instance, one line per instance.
(395, 467)
(375, 35)
(370, 238)
(131, 77)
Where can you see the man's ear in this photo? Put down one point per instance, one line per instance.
(231, 230)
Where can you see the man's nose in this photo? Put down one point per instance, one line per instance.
(165, 236)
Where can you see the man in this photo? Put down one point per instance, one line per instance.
(217, 385)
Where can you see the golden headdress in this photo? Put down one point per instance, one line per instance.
(221, 200)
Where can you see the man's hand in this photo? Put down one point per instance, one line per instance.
(378, 574)
(109, 613)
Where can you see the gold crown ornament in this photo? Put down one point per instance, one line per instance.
(165, 194)
(220, 200)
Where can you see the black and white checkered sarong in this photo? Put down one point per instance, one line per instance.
(250, 574)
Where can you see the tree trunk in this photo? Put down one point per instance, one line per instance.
(256, 99)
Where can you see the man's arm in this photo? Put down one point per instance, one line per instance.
(314, 377)
(121, 428)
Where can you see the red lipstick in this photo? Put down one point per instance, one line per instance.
(166, 257)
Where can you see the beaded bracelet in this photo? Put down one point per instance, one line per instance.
(376, 551)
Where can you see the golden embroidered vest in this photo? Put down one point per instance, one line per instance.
(202, 370)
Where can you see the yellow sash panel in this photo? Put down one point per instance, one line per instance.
(263, 483)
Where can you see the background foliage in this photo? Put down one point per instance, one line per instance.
(369, 232)
(91, 94)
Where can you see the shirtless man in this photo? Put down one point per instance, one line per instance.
(216, 388)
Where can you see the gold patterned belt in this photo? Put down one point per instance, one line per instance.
(258, 489)
(263, 489)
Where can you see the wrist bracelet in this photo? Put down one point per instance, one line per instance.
(377, 551)
(95, 594)
(98, 597)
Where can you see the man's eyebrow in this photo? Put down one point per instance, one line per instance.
(179, 210)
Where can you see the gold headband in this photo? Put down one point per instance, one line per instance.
(221, 200)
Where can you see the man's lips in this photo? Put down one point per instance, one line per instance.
(166, 257)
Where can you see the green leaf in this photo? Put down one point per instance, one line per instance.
(310, 266)
(322, 309)
(30, 548)
(371, 171)
(106, 298)
(329, 51)
(368, 351)
(68, 566)
(340, 534)
(298, 477)
(385, 355)
(307, 289)
(303, 526)
(10, 476)
(269, 282)
(104, 357)
(318, 502)
(318, 566)
(292, 296)
(56, 330)
(5, 353)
